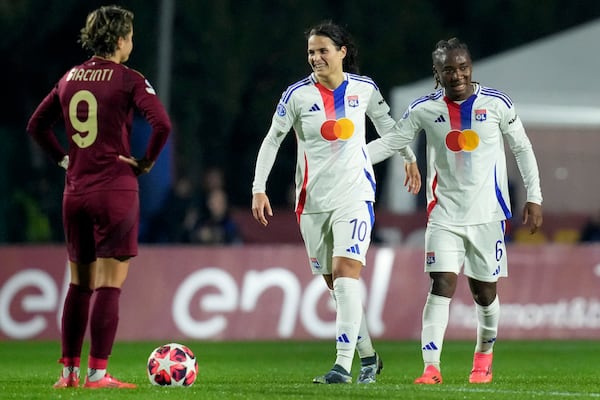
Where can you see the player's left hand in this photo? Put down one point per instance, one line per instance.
(532, 215)
(140, 167)
(64, 163)
(412, 181)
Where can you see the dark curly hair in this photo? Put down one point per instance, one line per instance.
(103, 28)
(340, 37)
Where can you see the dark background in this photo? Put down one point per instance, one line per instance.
(231, 61)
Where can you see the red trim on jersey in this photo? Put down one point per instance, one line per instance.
(302, 197)
(433, 202)
(328, 101)
(454, 113)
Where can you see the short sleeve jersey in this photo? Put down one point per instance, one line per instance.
(97, 100)
(467, 180)
(333, 167)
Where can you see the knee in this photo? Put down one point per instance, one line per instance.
(346, 268)
(443, 284)
(484, 298)
(484, 294)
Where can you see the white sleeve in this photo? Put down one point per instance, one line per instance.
(396, 140)
(520, 145)
(266, 158)
(379, 113)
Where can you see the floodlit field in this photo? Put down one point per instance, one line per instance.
(284, 370)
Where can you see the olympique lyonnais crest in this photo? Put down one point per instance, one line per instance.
(481, 115)
(315, 263)
(352, 101)
(430, 257)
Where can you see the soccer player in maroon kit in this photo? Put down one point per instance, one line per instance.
(97, 100)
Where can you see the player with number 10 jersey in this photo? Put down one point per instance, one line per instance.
(333, 166)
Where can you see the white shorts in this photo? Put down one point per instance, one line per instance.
(338, 233)
(480, 249)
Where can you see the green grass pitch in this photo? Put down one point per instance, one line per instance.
(284, 370)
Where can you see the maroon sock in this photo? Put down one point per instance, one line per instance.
(104, 321)
(74, 322)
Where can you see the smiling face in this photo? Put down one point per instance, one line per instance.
(326, 60)
(452, 69)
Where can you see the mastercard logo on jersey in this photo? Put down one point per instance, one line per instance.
(342, 128)
(465, 140)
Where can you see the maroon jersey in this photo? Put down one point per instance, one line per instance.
(97, 100)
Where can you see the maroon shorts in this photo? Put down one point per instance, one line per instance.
(101, 224)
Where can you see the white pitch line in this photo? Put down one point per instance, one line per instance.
(528, 392)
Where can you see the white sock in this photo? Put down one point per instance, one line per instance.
(95, 375)
(364, 345)
(487, 326)
(347, 322)
(435, 321)
(68, 370)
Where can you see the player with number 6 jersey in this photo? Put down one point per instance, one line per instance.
(96, 101)
(466, 125)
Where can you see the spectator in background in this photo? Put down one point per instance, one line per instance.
(213, 178)
(177, 216)
(591, 230)
(101, 209)
(466, 126)
(217, 226)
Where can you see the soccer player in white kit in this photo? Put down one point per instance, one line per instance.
(466, 125)
(335, 183)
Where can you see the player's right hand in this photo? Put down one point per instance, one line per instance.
(413, 177)
(260, 205)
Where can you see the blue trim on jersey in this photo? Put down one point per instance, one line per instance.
(362, 78)
(497, 94)
(501, 200)
(466, 110)
(285, 97)
(367, 174)
(432, 96)
(370, 179)
(371, 212)
(339, 96)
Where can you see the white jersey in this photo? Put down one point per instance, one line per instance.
(333, 167)
(467, 180)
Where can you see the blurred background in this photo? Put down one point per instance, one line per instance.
(220, 68)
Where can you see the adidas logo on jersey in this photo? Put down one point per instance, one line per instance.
(354, 249)
(315, 107)
(440, 119)
(497, 271)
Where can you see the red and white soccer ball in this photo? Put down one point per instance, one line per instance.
(172, 364)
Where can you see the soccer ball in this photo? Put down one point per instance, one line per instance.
(172, 364)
